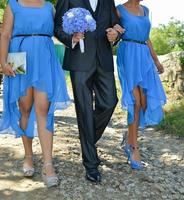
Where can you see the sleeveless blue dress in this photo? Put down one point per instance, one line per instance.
(44, 72)
(136, 68)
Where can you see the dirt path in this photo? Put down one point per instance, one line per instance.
(162, 179)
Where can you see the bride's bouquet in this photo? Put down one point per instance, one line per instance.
(78, 20)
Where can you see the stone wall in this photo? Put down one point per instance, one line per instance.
(174, 71)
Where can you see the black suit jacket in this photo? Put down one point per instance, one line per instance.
(96, 43)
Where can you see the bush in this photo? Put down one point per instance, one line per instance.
(168, 38)
(173, 122)
(2, 7)
(53, 1)
(3, 4)
(1, 15)
(182, 61)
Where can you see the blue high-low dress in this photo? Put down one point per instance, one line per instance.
(136, 68)
(44, 72)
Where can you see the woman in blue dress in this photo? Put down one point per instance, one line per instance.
(138, 68)
(33, 97)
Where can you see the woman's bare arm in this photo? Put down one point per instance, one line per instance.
(117, 27)
(5, 40)
(155, 57)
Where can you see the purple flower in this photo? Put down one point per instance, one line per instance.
(78, 20)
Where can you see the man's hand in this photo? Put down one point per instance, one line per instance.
(112, 34)
(77, 37)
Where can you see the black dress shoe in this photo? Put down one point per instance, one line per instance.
(93, 176)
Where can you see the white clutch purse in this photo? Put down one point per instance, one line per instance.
(18, 62)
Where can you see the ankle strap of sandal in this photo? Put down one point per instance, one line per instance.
(47, 164)
(134, 147)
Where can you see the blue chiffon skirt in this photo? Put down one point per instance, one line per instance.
(44, 74)
(137, 69)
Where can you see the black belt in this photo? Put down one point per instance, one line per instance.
(135, 41)
(31, 35)
(28, 35)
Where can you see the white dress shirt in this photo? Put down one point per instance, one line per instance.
(93, 4)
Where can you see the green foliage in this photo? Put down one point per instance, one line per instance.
(2, 7)
(160, 43)
(53, 1)
(3, 4)
(182, 61)
(174, 119)
(168, 38)
(114, 50)
(1, 15)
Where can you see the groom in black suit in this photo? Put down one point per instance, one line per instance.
(91, 75)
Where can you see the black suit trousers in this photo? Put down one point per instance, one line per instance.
(95, 100)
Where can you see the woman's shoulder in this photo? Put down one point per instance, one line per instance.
(51, 7)
(13, 5)
(119, 7)
(49, 4)
(121, 10)
(146, 9)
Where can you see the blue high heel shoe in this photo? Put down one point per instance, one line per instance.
(126, 147)
(134, 164)
(128, 152)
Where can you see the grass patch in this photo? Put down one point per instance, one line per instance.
(1, 15)
(174, 118)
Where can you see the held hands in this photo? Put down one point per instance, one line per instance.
(77, 37)
(113, 33)
(159, 66)
(118, 28)
(7, 70)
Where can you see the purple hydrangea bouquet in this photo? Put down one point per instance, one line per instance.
(78, 20)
